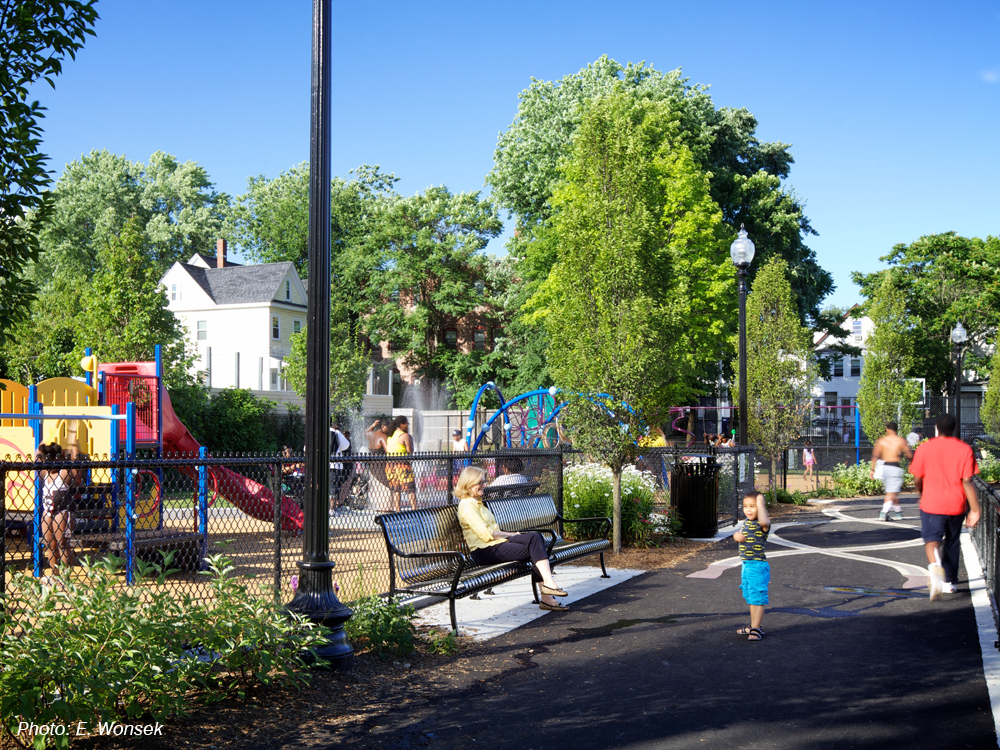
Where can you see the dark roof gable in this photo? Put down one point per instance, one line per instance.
(211, 261)
(240, 285)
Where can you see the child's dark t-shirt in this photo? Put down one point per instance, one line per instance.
(752, 547)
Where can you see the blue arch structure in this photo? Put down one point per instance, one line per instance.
(540, 393)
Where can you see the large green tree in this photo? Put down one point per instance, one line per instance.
(991, 402)
(746, 175)
(944, 279)
(886, 393)
(175, 207)
(638, 240)
(431, 275)
(781, 370)
(36, 37)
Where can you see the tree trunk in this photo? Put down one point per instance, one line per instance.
(616, 511)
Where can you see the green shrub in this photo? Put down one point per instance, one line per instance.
(383, 624)
(989, 466)
(780, 495)
(587, 494)
(91, 652)
(442, 642)
(852, 481)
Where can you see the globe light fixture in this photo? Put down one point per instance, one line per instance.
(958, 334)
(742, 249)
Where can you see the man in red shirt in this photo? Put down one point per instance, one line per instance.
(943, 469)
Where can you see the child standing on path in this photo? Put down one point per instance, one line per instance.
(756, 570)
(809, 459)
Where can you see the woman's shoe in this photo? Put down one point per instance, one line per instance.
(557, 607)
(553, 591)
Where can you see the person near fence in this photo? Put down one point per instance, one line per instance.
(914, 437)
(293, 473)
(808, 459)
(509, 472)
(756, 573)
(943, 468)
(58, 500)
(400, 473)
(458, 445)
(488, 545)
(890, 449)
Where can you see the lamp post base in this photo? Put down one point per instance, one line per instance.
(316, 600)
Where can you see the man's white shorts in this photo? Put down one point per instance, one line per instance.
(892, 478)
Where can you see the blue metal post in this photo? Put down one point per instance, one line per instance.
(90, 376)
(130, 494)
(857, 436)
(36, 427)
(203, 505)
(115, 476)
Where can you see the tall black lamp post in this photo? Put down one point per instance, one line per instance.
(315, 597)
(742, 251)
(958, 338)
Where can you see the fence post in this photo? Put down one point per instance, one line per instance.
(130, 494)
(450, 471)
(559, 481)
(278, 500)
(203, 505)
(3, 551)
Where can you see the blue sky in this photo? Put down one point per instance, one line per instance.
(892, 108)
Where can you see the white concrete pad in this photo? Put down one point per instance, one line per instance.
(511, 605)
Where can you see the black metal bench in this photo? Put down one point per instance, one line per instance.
(428, 554)
(427, 550)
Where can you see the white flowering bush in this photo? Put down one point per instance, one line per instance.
(587, 494)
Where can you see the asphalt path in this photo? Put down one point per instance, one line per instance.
(855, 656)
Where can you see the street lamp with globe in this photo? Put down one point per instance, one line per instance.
(958, 337)
(742, 251)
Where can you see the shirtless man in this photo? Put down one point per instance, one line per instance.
(890, 448)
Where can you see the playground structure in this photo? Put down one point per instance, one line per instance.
(122, 405)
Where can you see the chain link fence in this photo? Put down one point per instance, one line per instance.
(138, 508)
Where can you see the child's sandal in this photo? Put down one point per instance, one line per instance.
(747, 630)
(755, 634)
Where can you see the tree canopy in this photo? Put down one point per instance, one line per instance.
(780, 366)
(943, 279)
(36, 37)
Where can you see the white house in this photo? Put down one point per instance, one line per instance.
(241, 319)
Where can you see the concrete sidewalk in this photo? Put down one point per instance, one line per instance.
(855, 656)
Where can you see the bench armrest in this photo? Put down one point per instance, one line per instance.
(552, 537)
(607, 521)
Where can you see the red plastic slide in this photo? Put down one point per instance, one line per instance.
(251, 497)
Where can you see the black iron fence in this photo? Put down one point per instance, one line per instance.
(984, 536)
(139, 508)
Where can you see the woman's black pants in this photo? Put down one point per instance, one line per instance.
(525, 547)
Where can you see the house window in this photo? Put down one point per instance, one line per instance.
(855, 368)
(830, 398)
(395, 295)
(856, 330)
(479, 340)
(838, 367)
(296, 326)
(495, 333)
(202, 330)
(849, 411)
(288, 289)
(817, 403)
(274, 378)
(451, 338)
(275, 327)
(173, 292)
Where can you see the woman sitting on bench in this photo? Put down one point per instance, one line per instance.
(489, 545)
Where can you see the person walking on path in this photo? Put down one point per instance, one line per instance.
(756, 575)
(889, 449)
(943, 468)
(914, 437)
(808, 459)
(489, 545)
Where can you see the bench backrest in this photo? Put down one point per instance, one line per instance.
(525, 512)
(424, 530)
(494, 492)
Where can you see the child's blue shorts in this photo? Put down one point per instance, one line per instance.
(754, 581)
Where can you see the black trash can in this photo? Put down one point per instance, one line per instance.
(694, 493)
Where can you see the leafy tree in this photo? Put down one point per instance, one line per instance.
(944, 279)
(35, 39)
(174, 205)
(431, 274)
(885, 393)
(270, 222)
(780, 367)
(237, 421)
(990, 412)
(746, 175)
(349, 364)
(125, 313)
(636, 235)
